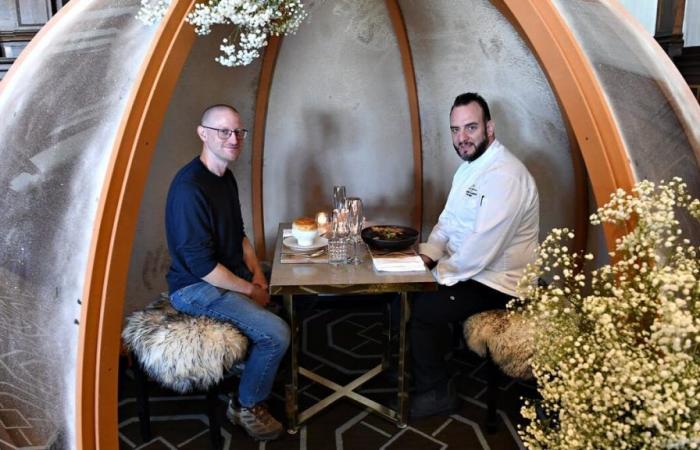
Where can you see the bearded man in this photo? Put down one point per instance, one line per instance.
(485, 237)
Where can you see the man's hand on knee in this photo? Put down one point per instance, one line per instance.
(260, 296)
(259, 280)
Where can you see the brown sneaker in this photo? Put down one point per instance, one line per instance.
(256, 421)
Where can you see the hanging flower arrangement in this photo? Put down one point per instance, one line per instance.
(252, 21)
(617, 349)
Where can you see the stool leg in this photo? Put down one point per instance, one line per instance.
(142, 406)
(457, 334)
(494, 375)
(214, 422)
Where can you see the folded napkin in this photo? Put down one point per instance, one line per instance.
(403, 261)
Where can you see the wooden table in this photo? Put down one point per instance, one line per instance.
(289, 280)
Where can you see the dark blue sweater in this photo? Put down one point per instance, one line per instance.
(203, 225)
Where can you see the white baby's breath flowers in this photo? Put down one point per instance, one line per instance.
(617, 354)
(152, 11)
(253, 22)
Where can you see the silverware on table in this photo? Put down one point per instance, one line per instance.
(306, 255)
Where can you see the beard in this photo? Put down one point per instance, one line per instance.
(478, 151)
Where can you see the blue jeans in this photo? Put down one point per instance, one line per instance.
(267, 333)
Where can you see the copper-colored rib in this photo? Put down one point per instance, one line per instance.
(114, 229)
(261, 103)
(409, 74)
(580, 96)
(579, 169)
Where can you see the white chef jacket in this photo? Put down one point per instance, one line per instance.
(489, 228)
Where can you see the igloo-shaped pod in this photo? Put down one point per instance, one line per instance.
(81, 139)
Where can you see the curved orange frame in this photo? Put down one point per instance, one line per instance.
(115, 225)
(580, 95)
(267, 71)
(409, 75)
(572, 79)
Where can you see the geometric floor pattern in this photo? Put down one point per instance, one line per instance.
(338, 343)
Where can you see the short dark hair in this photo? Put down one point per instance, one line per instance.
(213, 108)
(469, 97)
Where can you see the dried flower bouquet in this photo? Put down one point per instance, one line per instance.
(617, 355)
(253, 22)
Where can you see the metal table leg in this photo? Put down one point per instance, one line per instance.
(292, 388)
(403, 347)
(386, 338)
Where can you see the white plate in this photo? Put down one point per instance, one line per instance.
(291, 243)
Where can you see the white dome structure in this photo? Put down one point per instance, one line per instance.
(99, 113)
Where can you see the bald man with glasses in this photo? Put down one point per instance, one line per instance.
(214, 271)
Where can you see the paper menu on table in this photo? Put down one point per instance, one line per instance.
(398, 261)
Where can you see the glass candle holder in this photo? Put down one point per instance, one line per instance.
(323, 223)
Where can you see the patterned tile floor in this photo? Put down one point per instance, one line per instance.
(338, 343)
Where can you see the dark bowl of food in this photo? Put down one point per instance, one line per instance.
(389, 237)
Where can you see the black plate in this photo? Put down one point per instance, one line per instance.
(380, 237)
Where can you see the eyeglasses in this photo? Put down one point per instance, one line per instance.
(225, 133)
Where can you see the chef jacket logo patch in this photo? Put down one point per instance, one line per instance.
(472, 191)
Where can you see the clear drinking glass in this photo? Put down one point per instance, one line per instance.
(339, 197)
(338, 242)
(338, 250)
(339, 222)
(355, 222)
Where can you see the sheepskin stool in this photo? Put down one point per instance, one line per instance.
(183, 353)
(505, 339)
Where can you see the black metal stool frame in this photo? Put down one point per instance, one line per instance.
(143, 406)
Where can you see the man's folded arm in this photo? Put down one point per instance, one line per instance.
(223, 278)
(495, 225)
(434, 249)
(251, 261)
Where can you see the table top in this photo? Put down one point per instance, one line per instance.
(341, 279)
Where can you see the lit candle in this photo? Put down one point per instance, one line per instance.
(322, 223)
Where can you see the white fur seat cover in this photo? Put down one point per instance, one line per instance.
(182, 352)
(506, 336)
